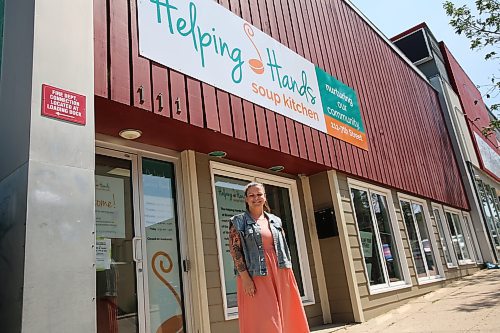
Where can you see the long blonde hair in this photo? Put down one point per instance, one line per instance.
(255, 184)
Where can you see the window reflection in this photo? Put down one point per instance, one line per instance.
(442, 234)
(376, 233)
(413, 238)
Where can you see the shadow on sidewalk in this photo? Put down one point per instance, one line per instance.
(482, 299)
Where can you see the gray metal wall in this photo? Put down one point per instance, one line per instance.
(15, 111)
(46, 171)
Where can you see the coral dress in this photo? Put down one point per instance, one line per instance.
(276, 306)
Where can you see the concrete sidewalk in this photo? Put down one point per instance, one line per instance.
(468, 305)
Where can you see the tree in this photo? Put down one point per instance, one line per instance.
(482, 28)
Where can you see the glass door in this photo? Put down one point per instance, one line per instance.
(139, 266)
(165, 305)
(119, 266)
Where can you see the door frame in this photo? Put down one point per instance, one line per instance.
(135, 152)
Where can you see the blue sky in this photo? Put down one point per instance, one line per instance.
(395, 16)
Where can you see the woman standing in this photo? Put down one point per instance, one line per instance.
(268, 296)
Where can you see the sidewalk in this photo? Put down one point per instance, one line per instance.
(468, 305)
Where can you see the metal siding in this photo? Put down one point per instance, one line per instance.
(260, 119)
(282, 134)
(317, 146)
(141, 67)
(226, 123)
(100, 48)
(292, 137)
(272, 130)
(161, 90)
(238, 118)
(301, 140)
(119, 51)
(409, 149)
(195, 102)
(324, 149)
(211, 114)
(178, 103)
(251, 127)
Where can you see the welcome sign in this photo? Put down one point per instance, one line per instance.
(206, 41)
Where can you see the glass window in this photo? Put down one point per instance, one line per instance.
(445, 239)
(495, 219)
(166, 305)
(457, 237)
(376, 233)
(470, 237)
(419, 237)
(280, 203)
(489, 213)
(229, 187)
(230, 197)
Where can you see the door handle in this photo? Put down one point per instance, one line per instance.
(135, 256)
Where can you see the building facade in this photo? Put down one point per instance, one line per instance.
(466, 117)
(137, 123)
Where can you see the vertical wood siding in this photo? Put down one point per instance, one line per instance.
(409, 148)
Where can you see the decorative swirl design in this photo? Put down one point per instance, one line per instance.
(165, 271)
(174, 324)
(255, 64)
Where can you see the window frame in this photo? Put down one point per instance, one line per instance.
(432, 238)
(460, 219)
(245, 174)
(472, 237)
(406, 277)
(446, 235)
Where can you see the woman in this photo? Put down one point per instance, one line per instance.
(268, 297)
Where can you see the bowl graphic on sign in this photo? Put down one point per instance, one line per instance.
(255, 64)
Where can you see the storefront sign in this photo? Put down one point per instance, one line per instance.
(62, 104)
(489, 156)
(204, 40)
(109, 207)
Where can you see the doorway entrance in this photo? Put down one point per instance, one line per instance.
(139, 245)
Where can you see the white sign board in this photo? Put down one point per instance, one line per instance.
(102, 254)
(204, 40)
(109, 207)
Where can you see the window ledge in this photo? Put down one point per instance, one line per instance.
(466, 262)
(452, 266)
(308, 302)
(388, 289)
(430, 280)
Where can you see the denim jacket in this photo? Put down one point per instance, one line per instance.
(251, 242)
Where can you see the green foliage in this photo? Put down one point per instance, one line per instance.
(482, 28)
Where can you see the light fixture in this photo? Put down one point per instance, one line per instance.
(277, 168)
(217, 153)
(130, 134)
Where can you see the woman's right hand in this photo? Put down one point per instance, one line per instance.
(248, 285)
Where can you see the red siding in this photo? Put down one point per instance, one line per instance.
(408, 146)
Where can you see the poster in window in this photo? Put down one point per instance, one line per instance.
(103, 254)
(230, 201)
(366, 243)
(109, 207)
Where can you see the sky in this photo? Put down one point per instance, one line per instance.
(395, 16)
